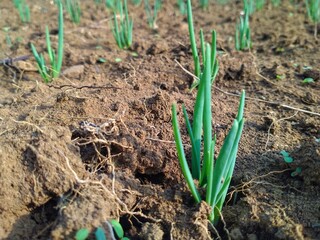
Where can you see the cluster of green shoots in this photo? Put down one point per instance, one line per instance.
(73, 9)
(48, 73)
(195, 54)
(152, 12)
(313, 10)
(212, 174)
(243, 35)
(24, 10)
(114, 227)
(122, 27)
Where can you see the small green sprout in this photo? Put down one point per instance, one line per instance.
(280, 77)
(308, 80)
(122, 30)
(24, 11)
(286, 156)
(136, 2)
(276, 3)
(182, 7)
(204, 4)
(248, 6)
(213, 174)
(118, 230)
(46, 73)
(243, 34)
(296, 172)
(111, 4)
(82, 234)
(259, 4)
(152, 15)
(313, 10)
(196, 58)
(8, 38)
(73, 8)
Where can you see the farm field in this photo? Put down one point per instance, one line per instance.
(97, 143)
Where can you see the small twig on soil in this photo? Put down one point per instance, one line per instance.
(30, 124)
(159, 140)
(274, 122)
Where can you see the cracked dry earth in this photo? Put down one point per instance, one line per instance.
(97, 143)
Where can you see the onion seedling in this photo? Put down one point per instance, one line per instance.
(55, 63)
(204, 4)
(136, 2)
(152, 15)
(122, 31)
(248, 6)
(73, 8)
(182, 7)
(196, 58)
(259, 4)
(276, 3)
(213, 174)
(313, 10)
(24, 12)
(243, 35)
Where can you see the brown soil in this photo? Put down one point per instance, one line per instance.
(59, 174)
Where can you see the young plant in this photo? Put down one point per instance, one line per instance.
(204, 4)
(313, 10)
(196, 58)
(136, 2)
(122, 31)
(243, 35)
(275, 3)
(259, 4)
(182, 7)
(248, 6)
(213, 174)
(24, 11)
(8, 38)
(111, 4)
(46, 73)
(73, 8)
(152, 15)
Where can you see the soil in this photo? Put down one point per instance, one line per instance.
(97, 144)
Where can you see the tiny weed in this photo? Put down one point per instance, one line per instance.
(286, 156)
(308, 80)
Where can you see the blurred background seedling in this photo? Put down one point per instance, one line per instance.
(122, 25)
(259, 4)
(8, 38)
(313, 10)
(182, 6)
(136, 2)
(276, 3)
(249, 6)
(243, 33)
(152, 12)
(204, 4)
(24, 12)
(48, 73)
(73, 9)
